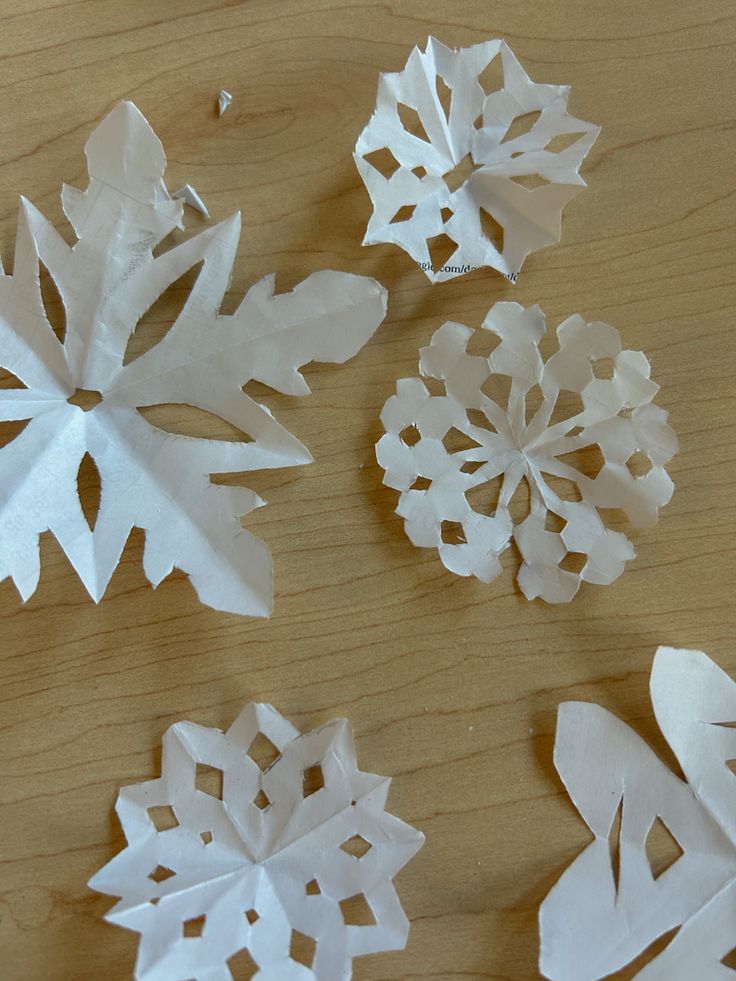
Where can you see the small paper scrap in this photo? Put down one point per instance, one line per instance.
(570, 433)
(258, 850)
(662, 865)
(224, 99)
(189, 196)
(465, 152)
(84, 394)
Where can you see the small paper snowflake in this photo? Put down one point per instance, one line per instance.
(662, 865)
(489, 168)
(459, 457)
(82, 397)
(282, 862)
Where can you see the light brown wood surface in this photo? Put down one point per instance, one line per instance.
(451, 686)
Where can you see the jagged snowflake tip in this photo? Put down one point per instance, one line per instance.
(259, 849)
(79, 394)
(572, 432)
(478, 164)
(662, 865)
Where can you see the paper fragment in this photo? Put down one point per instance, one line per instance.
(296, 839)
(151, 478)
(568, 435)
(224, 99)
(189, 196)
(489, 168)
(615, 900)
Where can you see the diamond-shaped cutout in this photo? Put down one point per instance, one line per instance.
(356, 846)
(251, 916)
(313, 779)
(161, 873)
(312, 888)
(452, 533)
(410, 435)
(302, 948)
(356, 911)
(209, 780)
(638, 464)
(263, 752)
(242, 966)
(194, 927)
(261, 801)
(206, 836)
(404, 213)
(163, 817)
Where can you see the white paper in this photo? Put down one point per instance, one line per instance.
(224, 99)
(478, 125)
(258, 868)
(591, 928)
(509, 443)
(189, 196)
(150, 478)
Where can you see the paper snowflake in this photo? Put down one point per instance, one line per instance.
(459, 457)
(490, 164)
(622, 894)
(150, 478)
(282, 863)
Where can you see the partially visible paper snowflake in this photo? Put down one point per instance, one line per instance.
(150, 478)
(489, 168)
(458, 458)
(282, 863)
(622, 893)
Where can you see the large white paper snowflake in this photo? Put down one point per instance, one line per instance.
(489, 168)
(621, 894)
(458, 458)
(150, 478)
(283, 863)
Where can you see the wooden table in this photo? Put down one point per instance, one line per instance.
(451, 686)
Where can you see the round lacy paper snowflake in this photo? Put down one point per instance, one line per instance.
(465, 152)
(576, 440)
(259, 853)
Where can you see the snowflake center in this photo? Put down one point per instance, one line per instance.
(85, 398)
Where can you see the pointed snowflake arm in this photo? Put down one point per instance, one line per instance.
(590, 926)
(328, 317)
(695, 705)
(39, 470)
(160, 482)
(29, 347)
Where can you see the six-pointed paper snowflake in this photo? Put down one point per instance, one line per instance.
(150, 478)
(507, 444)
(492, 173)
(613, 902)
(284, 865)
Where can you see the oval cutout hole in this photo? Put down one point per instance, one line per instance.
(89, 489)
(189, 420)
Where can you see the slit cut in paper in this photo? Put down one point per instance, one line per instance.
(258, 846)
(577, 433)
(80, 394)
(660, 875)
(469, 163)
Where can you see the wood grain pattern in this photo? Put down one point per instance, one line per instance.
(451, 686)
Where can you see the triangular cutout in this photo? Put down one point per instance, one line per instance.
(161, 315)
(263, 752)
(662, 848)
